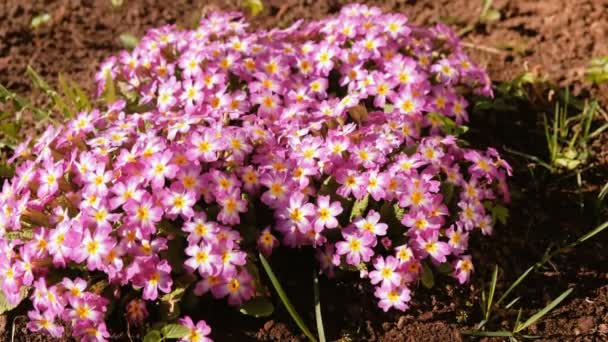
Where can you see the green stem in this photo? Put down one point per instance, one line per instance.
(292, 311)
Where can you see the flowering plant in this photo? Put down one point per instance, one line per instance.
(334, 135)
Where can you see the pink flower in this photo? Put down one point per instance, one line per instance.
(238, 287)
(179, 203)
(96, 247)
(153, 275)
(298, 213)
(463, 269)
(44, 321)
(385, 272)
(232, 206)
(427, 243)
(197, 333)
(371, 224)
(356, 247)
(326, 213)
(267, 242)
(204, 258)
(159, 168)
(393, 297)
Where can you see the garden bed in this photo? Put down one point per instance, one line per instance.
(554, 39)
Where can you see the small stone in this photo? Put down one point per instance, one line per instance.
(402, 322)
(603, 328)
(585, 324)
(3, 331)
(426, 316)
(268, 325)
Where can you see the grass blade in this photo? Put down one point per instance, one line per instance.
(590, 234)
(603, 192)
(318, 314)
(292, 311)
(511, 303)
(531, 157)
(514, 285)
(487, 333)
(491, 292)
(543, 312)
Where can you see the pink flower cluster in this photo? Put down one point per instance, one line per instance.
(219, 123)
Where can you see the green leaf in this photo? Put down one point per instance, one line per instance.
(491, 16)
(428, 280)
(174, 331)
(109, 90)
(4, 304)
(488, 308)
(255, 7)
(153, 336)
(500, 214)
(41, 84)
(128, 40)
(359, 207)
(10, 129)
(544, 311)
(514, 285)
(447, 190)
(445, 268)
(7, 170)
(257, 307)
(590, 234)
(318, 314)
(169, 303)
(487, 333)
(292, 311)
(40, 20)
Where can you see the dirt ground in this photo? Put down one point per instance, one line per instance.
(555, 39)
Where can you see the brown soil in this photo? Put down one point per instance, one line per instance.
(554, 38)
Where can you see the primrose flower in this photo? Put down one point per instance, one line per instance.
(463, 269)
(197, 332)
(240, 142)
(371, 224)
(392, 297)
(356, 247)
(204, 259)
(267, 242)
(326, 213)
(238, 288)
(428, 244)
(136, 311)
(386, 272)
(153, 276)
(44, 321)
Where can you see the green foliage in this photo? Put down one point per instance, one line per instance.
(488, 13)
(72, 99)
(5, 306)
(427, 279)
(128, 40)
(153, 336)
(597, 70)
(359, 207)
(40, 20)
(174, 331)
(168, 331)
(285, 300)
(447, 125)
(254, 7)
(257, 307)
(318, 314)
